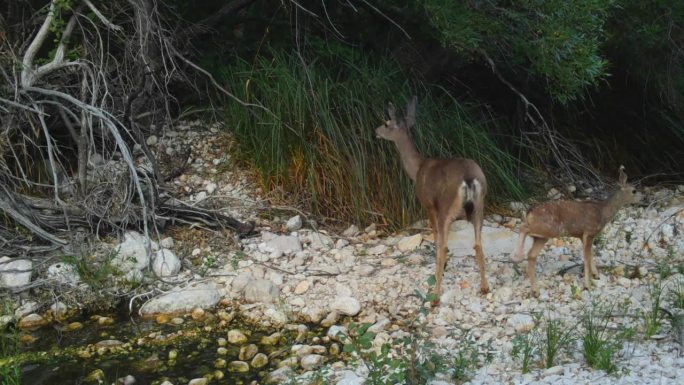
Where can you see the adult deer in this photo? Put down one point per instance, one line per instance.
(449, 189)
(583, 220)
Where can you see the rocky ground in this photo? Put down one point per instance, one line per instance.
(294, 272)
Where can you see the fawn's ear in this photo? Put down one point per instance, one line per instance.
(391, 112)
(410, 119)
(622, 179)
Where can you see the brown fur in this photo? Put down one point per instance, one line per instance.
(583, 220)
(449, 189)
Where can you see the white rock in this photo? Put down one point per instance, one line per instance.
(311, 361)
(152, 140)
(211, 187)
(279, 375)
(26, 308)
(365, 270)
(298, 302)
(379, 326)
(241, 281)
(351, 231)
(166, 263)
(503, 294)
(294, 223)
(409, 243)
(63, 273)
(167, 243)
(15, 273)
(521, 322)
(183, 300)
(554, 371)
(132, 252)
(261, 290)
(517, 206)
(196, 251)
(495, 241)
(346, 305)
(277, 317)
(4, 321)
(348, 377)
(553, 193)
(302, 287)
(320, 241)
(284, 244)
(377, 250)
(59, 309)
(200, 196)
(337, 333)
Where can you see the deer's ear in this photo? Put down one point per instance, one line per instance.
(622, 179)
(411, 112)
(391, 111)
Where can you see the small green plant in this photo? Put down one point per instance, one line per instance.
(525, 348)
(654, 316)
(236, 258)
(467, 360)
(10, 373)
(558, 337)
(600, 241)
(383, 368)
(600, 344)
(413, 359)
(92, 270)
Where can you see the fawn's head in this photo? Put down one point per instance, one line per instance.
(394, 128)
(627, 193)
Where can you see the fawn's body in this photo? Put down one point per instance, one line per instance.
(449, 189)
(583, 220)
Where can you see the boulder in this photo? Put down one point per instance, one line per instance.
(346, 305)
(183, 300)
(15, 273)
(261, 290)
(165, 263)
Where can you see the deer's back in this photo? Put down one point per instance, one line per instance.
(439, 180)
(564, 218)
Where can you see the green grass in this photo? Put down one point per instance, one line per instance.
(600, 343)
(557, 338)
(317, 142)
(10, 373)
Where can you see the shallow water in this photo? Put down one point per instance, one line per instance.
(55, 357)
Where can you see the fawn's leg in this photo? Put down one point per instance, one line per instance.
(477, 217)
(587, 241)
(519, 253)
(532, 263)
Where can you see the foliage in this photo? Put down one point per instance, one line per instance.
(10, 373)
(317, 139)
(413, 359)
(557, 41)
(654, 316)
(600, 343)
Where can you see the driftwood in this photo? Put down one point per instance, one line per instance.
(71, 120)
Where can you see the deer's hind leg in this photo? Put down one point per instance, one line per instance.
(537, 246)
(589, 264)
(441, 229)
(477, 217)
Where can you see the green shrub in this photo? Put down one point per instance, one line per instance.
(316, 142)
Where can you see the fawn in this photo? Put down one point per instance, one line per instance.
(449, 189)
(583, 220)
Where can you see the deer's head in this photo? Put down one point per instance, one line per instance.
(627, 193)
(394, 128)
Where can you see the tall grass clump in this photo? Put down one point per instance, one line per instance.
(316, 142)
